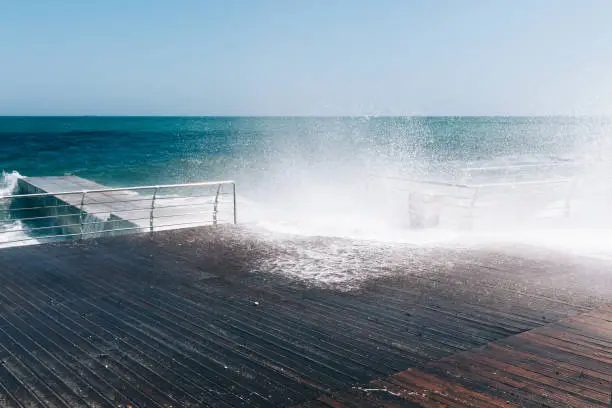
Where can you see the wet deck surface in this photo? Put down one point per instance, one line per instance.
(565, 364)
(182, 318)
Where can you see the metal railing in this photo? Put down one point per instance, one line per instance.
(42, 217)
(468, 197)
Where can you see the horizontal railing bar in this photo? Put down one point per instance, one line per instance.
(35, 208)
(183, 214)
(147, 218)
(186, 223)
(432, 182)
(99, 222)
(485, 185)
(117, 201)
(141, 198)
(211, 200)
(107, 190)
(141, 219)
(48, 217)
(8, 210)
(147, 228)
(188, 201)
(457, 197)
(147, 199)
(52, 227)
(191, 205)
(187, 205)
(523, 183)
(118, 212)
(517, 166)
(200, 200)
(114, 211)
(170, 197)
(113, 221)
(109, 230)
(110, 221)
(64, 193)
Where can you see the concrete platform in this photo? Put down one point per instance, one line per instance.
(101, 211)
(189, 318)
(109, 213)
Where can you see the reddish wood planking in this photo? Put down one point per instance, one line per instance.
(564, 364)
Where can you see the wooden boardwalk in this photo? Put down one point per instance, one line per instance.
(186, 318)
(565, 364)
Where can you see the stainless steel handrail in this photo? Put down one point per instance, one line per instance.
(482, 185)
(151, 215)
(522, 183)
(216, 204)
(108, 190)
(448, 192)
(72, 216)
(517, 166)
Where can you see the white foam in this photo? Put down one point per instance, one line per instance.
(356, 232)
(591, 242)
(12, 232)
(8, 182)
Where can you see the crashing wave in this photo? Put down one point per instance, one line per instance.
(8, 182)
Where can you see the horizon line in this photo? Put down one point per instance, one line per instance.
(308, 116)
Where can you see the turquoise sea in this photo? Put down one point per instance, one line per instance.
(120, 151)
(291, 170)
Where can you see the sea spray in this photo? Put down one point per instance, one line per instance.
(8, 182)
(12, 232)
(313, 177)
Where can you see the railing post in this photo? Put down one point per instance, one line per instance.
(472, 205)
(82, 212)
(234, 194)
(216, 204)
(152, 209)
(568, 198)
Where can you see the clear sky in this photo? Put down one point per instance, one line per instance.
(305, 57)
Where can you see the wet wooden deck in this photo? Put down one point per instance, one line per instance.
(564, 364)
(184, 318)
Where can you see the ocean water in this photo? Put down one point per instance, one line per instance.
(326, 176)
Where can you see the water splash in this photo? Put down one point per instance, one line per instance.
(8, 182)
(12, 232)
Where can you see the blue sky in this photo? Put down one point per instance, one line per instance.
(315, 57)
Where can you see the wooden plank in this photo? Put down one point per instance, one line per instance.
(188, 317)
(534, 370)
